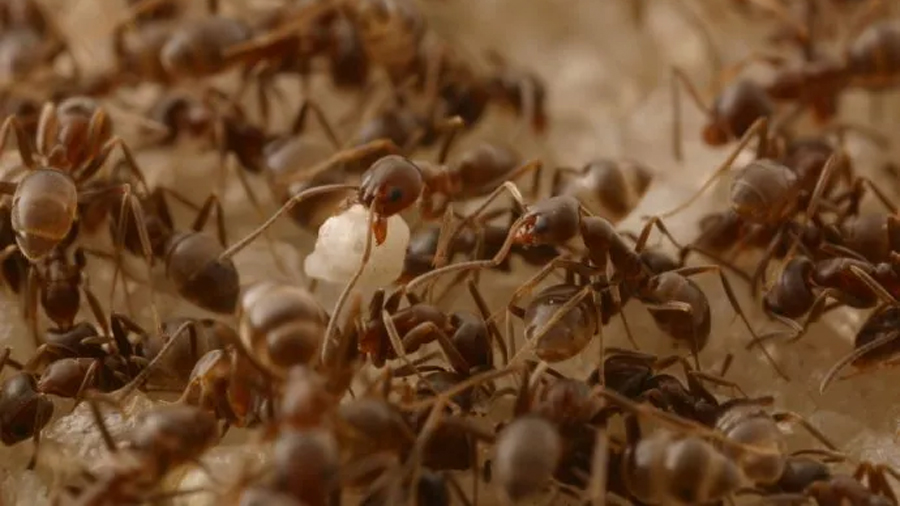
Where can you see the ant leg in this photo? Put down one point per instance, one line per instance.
(137, 214)
(474, 264)
(452, 135)
(834, 161)
(679, 77)
(883, 295)
(364, 154)
(210, 205)
(879, 194)
(534, 166)
(445, 236)
(716, 380)
(726, 285)
(348, 288)
(101, 425)
(616, 295)
(12, 126)
(560, 173)
(794, 418)
(851, 357)
(86, 382)
(648, 227)
(424, 333)
(818, 308)
(47, 129)
(299, 123)
(96, 309)
(758, 129)
(493, 331)
(525, 288)
(130, 162)
(30, 303)
(119, 395)
(296, 199)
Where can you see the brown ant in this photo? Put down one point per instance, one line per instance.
(204, 335)
(804, 287)
(24, 410)
(476, 243)
(464, 338)
(58, 285)
(280, 324)
(526, 455)
(607, 187)
(191, 258)
(164, 438)
(639, 376)
(875, 344)
(477, 172)
(557, 220)
(31, 39)
(732, 114)
(74, 140)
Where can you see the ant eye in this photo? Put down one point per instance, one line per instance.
(395, 194)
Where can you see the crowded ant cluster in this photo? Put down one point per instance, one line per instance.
(393, 371)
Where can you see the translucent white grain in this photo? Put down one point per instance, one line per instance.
(341, 243)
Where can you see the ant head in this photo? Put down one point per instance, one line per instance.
(391, 185)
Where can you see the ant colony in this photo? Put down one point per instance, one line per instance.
(438, 252)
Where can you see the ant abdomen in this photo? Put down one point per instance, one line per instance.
(665, 468)
(791, 296)
(282, 325)
(528, 451)
(197, 50)
(754, 427)
(610, 188)
(24, 411)
(565, 337)
(199, 275)
(693, 326)
(484, 166)
(43, 212)
(873, 58)
(735, 110)
(759, 192)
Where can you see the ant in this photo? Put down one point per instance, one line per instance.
(31, 39)
(281, 325)
(557, 220)
(390, 185)
(478, 172)
(175, 369)
(743, 453)
(478, 243)
(804, 287)
(607, 187)
(526, 455)
(192, 258)
(875, 344)
(805, 477)
(58, 284)
(24, 410)
(464, 338)
(74, 140)
(734, 111)
(638, 376)
(163, 439)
